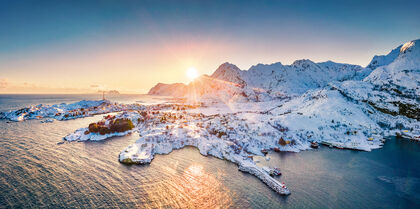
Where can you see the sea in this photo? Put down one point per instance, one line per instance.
(38, 172)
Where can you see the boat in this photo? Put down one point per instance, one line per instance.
(314, 145)
(264, 151)
(276, 172)
(272, 171)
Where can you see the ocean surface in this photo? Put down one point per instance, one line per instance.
(36, 172)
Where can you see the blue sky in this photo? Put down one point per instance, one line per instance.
(38, 37)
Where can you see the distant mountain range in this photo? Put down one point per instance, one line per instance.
(390, 83)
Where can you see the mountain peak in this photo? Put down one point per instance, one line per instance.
(229, 72)
(408, 55)
(409, 46)
(229, 66)
(305, 63)
(402, 71)
(175, 89)
(261, 65)
(400, 51)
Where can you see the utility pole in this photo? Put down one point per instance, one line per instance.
(103, 95)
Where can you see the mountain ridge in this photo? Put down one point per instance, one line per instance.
(271, 82)
(263, 82)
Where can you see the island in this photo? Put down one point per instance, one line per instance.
(236, 115)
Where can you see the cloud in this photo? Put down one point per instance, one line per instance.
(3, 83)
(94, 86)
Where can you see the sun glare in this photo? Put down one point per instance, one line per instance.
(192, 73)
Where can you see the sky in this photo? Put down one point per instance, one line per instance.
(129, 46)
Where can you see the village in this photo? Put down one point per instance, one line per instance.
(229, 132)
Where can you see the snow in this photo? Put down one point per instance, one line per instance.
(382, 60)
(403, 72)
(327, 116)
(79, 135)
(65, 111)
(299, 77)
(83, 134)
(239, 134)
(164, 130)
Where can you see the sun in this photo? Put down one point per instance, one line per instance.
(192, 73)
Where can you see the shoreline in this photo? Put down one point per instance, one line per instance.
(236, 135)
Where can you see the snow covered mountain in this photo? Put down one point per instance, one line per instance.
(263, 82)
(392, 88)
(382, 60)
(354, 112)
(387, 91)
(396, 74)
(301, 76)
(175, 89)
(229, 72)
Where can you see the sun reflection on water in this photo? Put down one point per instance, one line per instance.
(194, 188)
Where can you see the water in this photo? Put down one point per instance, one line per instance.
(15, 101)
(36, 172)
